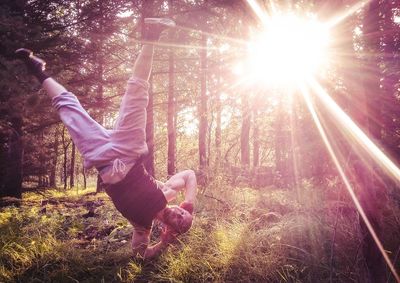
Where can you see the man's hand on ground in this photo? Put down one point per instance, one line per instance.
(167, 236)
(154, 251)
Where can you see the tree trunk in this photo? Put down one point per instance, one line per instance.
(203, 105)
(209, 134)
(53, 168)
(42, 162)
(147, 7)
(149, 160)
(3, 163)
(84, 178)
(368, 113)
(171, 114)
(100, 79)
(294, 142)
(13, 182)
(279, 147)
(72, 168)
(371, 70)
(391, 79)
(218, 119)
(65, 149)
(218, 132)
(256, 138)
(245, 133)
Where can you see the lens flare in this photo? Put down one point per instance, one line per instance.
(288, 50)
(355, 134)
(361, 138)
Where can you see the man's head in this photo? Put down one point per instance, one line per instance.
(178, 219)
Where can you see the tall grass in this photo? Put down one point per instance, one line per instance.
(239, 235)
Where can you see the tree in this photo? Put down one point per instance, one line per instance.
(256, 136)
(171, 121)
(218, 121)
(72, 167)
(65, 145)
(13, 180)
(245, 132)
(203, 104)
(147, 7)
(53, 166)
(379, 96)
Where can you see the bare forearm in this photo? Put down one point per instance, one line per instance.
(191, 188)
(183, 180)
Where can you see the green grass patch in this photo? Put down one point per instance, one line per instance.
(239, 235)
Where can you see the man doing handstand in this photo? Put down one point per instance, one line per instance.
(117, 154)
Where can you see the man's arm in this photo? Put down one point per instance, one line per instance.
(140, 244)
(140, 241)
(182, 180)
(155, 250)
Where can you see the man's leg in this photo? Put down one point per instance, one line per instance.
(129, 135)
(52, 87)
(144, 62)
(152, 32)
(90, 137)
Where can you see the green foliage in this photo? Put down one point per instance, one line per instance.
(38, 243)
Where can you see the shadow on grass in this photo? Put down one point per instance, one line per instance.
(74, 265)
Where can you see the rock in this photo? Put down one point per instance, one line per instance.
(10, 201)
(43, 210)
(89, 214)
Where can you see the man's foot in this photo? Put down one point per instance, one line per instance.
(155, 26)
(33, 62)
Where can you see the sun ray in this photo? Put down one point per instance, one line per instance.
(225, 38)
(260, 13)
(355, 132)
(347, 13)
(346, 181)
(184, 46)
(274, 9)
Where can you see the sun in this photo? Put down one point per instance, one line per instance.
(288, 50)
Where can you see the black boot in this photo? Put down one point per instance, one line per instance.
(155, 26)
(34, 64)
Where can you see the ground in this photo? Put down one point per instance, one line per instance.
(240, 234)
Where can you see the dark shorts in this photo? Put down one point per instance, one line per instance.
(138, 196)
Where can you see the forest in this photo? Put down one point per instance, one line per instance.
(287, 111)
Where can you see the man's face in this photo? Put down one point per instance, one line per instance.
(178, 218)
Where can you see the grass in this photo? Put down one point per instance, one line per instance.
(239, 235)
